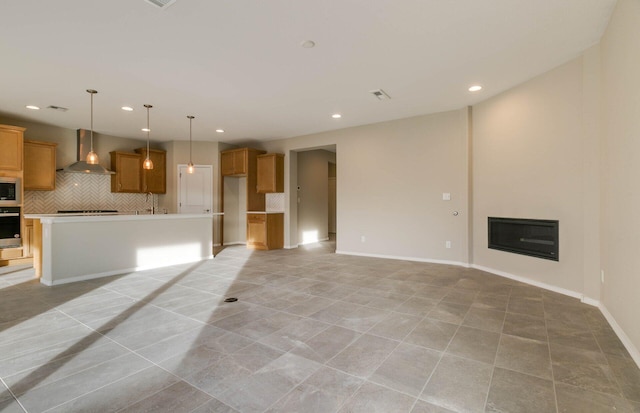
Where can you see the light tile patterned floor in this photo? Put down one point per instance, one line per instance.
(311, 332)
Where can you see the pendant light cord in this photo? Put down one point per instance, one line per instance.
(190, 144)
(148, 130)
(91, 121)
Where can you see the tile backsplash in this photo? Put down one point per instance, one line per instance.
(275, 202)
(83, 192)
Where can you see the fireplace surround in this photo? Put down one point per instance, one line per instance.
(533, 237)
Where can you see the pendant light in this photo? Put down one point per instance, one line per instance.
(147, 164)
(190, 164)
(92, 157)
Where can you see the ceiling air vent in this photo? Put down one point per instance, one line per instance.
(163, 4)
(58, 108)
(380, 94)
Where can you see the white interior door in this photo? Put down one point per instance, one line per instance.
(195, 189)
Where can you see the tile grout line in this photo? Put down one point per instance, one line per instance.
(15, 398)
(553, 374)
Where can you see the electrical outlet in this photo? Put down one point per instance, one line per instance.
(447, 244)
(363, 238)
(602, 276)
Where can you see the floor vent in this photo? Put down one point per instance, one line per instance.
(163, 4)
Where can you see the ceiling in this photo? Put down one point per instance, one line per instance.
(239, 65)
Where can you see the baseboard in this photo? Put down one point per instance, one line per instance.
(626, 341)
(529, 281)
(314, 242)
(403, 258)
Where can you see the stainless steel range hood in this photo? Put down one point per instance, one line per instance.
(81, 166)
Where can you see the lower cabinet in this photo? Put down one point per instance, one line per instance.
(265, 231)
(27, 239)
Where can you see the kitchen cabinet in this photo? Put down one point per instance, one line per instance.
(234, 162)
(128, 172)
(154, 180)
(27, 238)
(11, 141)
(238, 162)
(8, 255)
(270, 173)
(39, 166)
(265, 231)
(243, 163)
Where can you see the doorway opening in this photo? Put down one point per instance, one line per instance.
(316, 195)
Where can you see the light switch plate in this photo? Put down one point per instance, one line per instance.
(446, 196)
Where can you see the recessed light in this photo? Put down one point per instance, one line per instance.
(475, 88)
(336, 116)
(308, 44)
(33, 107)
(146, 130)
(220, 130)
(127, 108)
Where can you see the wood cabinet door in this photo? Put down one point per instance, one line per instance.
(128, 168)
(226, 163)
(275, 231)
(154, 180)
(270, 173)
(27, 240)
(233, 162)
(256, 231)
(39, 166)
(240, 162)
(11, 148)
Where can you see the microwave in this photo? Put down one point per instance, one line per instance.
(10, 190)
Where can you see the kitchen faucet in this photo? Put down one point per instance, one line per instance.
(153, 203)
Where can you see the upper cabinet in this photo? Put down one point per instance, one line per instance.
(238, 162)
(11, 148)
(154, 180)
(39, 166)
(243, 162)
(233, 162)
(130, 177)
(128, 172)
(270, 173)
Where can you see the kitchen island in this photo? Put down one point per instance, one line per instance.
(69, 248)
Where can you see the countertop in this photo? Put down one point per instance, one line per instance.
(265, 212)
(89, 217)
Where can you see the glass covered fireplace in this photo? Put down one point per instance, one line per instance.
(534, 237)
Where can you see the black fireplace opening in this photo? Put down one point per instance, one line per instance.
(533, 237)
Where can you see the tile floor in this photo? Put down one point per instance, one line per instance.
(311, 332)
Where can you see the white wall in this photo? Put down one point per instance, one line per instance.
(528, 154)
(313, 195)
(235, 210)
(391, 177)
(203, 153)
(621, 166)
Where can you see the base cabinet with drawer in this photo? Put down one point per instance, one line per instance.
(265, 231)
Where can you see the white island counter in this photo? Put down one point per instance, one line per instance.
(70, 248)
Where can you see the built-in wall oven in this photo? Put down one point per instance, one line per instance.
(9, 227)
